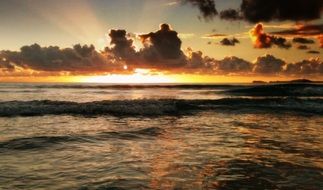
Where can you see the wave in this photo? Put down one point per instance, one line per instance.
(315, 90)
(48, 141)
(160, 107)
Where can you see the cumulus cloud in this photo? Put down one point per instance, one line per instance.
(121, 45)
(161, 51)
(164, 43)
(233, 65)
(229, 42)
(261, 39)
(268, 64)
(310, 66)
(79, 59)
(197, 63)
(162, 46)
(206, 7)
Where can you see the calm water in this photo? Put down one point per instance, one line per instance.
(59, 136)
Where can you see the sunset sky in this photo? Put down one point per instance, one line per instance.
(201, 40)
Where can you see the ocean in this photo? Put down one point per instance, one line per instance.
(164, 136)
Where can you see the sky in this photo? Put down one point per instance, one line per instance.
(227, 39)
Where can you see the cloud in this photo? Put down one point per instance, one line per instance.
(301, 40)
(261, 39)
(214, 36)
(206, 7)
(186, 35)
(268, 64)
(79, 59)
(313, 52)
(229, 42)
(6, 66)
(197, 63)
(302, 30)
(269, 10)
(162, 46)
(171, 3)
(161, 51)
(312, 66)
(303, 47)
(230, 14)
(122, 46)
(233, 65)
(320, 39)
(255, 11)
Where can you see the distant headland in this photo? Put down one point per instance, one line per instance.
(289, 81)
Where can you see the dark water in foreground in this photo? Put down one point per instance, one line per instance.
(161, 137)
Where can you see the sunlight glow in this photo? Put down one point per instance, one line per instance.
(141, 76)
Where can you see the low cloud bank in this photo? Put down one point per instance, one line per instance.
(161, 51)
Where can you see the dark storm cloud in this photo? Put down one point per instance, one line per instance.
(206, 7)
(230, 14)
(268, 64)
(303, 40)
(261, 39)
(53, 59)
(263, 10)
(313, 52)
(229, 42)
(269, 10)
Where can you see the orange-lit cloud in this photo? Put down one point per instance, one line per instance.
(320, 38)
(260, 39)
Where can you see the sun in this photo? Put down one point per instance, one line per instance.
(140, 76)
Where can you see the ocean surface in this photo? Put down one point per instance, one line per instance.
(97, 136)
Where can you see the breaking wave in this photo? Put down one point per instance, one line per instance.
(160, 107)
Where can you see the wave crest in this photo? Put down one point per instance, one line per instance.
(151, 107)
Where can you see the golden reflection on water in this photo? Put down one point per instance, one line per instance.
(163, 162)
(203, 151)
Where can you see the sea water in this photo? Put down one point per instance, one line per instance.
(175, 136)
